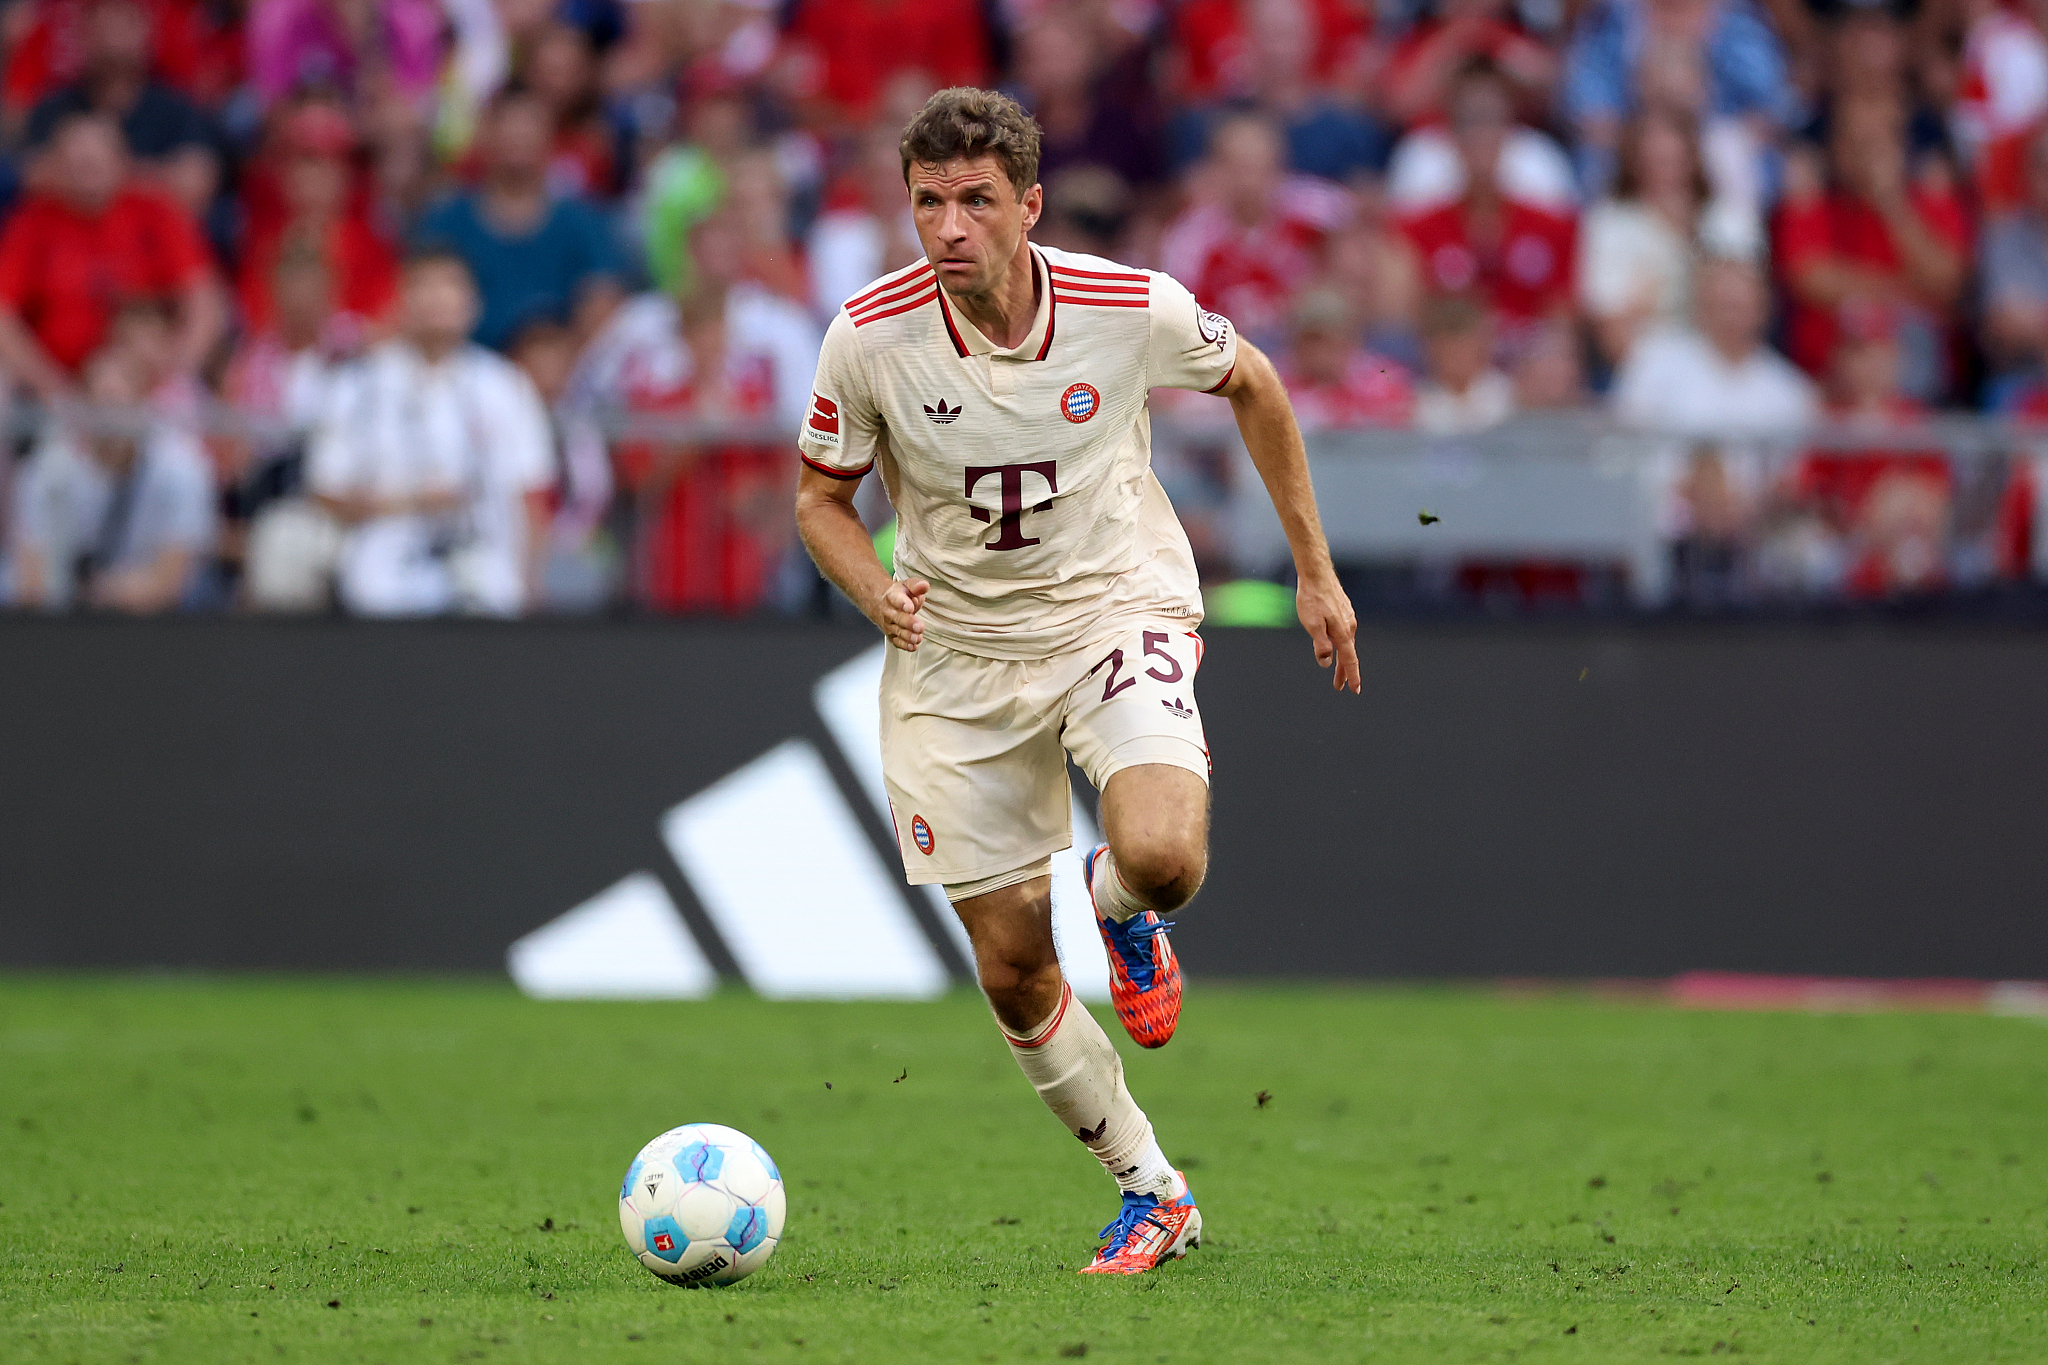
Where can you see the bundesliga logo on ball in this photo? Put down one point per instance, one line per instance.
(702, 1204)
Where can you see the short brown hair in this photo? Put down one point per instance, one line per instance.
(965, 121)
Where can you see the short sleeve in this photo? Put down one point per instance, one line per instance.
(1192, 348)
(842, 427)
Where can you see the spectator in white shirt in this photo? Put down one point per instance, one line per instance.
(1722, 389)
(111, 519)
(1716, 378)
(1461, 392)
(436, 455)
(1637, 248)
(853, 243)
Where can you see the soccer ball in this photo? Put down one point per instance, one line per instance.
(702, 1204)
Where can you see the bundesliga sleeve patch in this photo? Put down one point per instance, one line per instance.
(823, 424)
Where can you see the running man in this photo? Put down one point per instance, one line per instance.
(1044, 602)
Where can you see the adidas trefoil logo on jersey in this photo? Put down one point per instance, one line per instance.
(1179, 708)
(942, 414)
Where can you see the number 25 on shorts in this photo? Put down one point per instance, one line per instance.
(1155, 641)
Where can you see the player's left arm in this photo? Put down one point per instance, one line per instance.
(1266, 420)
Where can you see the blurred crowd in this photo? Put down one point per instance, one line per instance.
(438, 257)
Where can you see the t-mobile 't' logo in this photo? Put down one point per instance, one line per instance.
(1010, 479)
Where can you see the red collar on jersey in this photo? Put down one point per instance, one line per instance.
(1043, 270)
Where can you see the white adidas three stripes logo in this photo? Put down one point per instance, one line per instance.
(793, 885)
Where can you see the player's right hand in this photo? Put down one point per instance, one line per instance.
(1326, 614)
(898, 613)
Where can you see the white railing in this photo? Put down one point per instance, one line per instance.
(1571, 487)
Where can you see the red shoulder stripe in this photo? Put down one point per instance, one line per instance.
(1080, 302)
(1131, 275)
(1076, 286)
(900, 277)
(920, 301)
(884, 300)
(830, 472)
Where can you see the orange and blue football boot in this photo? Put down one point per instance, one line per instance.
(1148, 1233)
(1144, 975)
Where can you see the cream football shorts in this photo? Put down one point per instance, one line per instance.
(975, 750)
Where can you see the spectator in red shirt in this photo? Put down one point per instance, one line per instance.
(1333, 381)
(1255, 234)
(1885, 507)
(1874, 235)
(1213, 40)
(1514, 257)
(558, 68)
(167, 135)
(714, 523)
(856, 46)
(319, 210)
(195, 47)
(86, 243)
(2000, 90)
(758, 198)
(1425, 66)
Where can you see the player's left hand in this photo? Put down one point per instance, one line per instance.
(897, 613)
(1326, 615)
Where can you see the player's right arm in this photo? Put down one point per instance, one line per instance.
(844, 552)
(840, 437)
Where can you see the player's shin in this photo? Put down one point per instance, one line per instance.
(1070, 1061)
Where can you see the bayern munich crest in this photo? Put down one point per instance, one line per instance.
(1079, 403)
(922, 833)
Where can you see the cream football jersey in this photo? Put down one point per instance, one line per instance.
(1021, 478)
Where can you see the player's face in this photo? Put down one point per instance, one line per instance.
(970, 220)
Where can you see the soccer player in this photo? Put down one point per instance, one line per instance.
(1043, 602)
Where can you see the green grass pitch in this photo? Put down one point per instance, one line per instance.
(282, 1170)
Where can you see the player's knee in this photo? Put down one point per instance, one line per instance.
(1021, 986)
(1164, 873)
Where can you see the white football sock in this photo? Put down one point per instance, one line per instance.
(1070, 1061)
(1115, 900)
